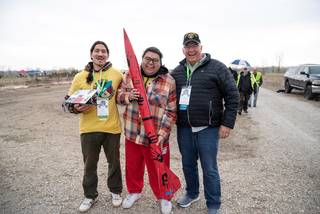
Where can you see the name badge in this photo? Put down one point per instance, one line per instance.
(102, 108)
(184, 97)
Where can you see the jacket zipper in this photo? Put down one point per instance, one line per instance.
(210, 110)
(189, 83)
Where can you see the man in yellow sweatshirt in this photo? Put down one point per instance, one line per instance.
(99, 124)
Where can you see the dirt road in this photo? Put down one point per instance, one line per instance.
(270, 163)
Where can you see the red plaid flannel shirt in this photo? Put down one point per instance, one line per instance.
(162, 101)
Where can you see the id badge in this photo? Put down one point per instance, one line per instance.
(102, 108)
(184, 97)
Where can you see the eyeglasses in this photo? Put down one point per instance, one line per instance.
(153, 60)
(191, 46)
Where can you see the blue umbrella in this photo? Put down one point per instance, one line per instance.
(240, 63)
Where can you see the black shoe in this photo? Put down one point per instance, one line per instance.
(239, 112)
(245, 111)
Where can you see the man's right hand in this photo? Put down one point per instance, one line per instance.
(224, 132)
(134, 95)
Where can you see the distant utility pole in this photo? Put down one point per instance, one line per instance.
(279, 59)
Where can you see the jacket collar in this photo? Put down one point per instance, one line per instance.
(206, 60)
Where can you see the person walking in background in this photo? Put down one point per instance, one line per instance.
(234, 73)
(246, 85)
(99, 125)
(161, 92)
(205, 115)
(254, 97)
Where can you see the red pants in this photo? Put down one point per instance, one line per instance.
(137, 156)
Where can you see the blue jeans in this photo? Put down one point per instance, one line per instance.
(203, 144)
(254, 97)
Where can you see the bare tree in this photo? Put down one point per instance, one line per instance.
(264, 65)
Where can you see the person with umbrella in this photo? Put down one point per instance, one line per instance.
(207, 114)
(246, 85)
(161, 93)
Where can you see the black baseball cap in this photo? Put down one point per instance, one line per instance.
(191, 37)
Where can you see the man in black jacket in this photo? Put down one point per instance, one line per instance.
(208, 102)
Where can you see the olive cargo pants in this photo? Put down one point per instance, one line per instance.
(91, 145)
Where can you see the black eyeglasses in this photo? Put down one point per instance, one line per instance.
(153, 60)
(191, 46)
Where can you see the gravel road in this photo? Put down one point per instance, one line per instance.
(269, 164)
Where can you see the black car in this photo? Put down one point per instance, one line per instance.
(304, 77)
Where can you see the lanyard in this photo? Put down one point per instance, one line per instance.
(193, 68)
(188, 72)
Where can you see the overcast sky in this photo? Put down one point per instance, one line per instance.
(58, 33)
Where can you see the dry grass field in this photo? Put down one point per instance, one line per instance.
(265, 166)
(12, 81)
(273, 81)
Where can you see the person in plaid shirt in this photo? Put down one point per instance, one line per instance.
(161, 92)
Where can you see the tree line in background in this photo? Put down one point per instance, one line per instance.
(65, 72)
(22, 77)
(273, 69)
(31, 77)
(39, 74)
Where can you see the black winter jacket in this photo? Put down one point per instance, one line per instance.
(212, 84)
(244, 84)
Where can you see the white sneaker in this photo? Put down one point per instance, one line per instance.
(130, 200)
(166, 206)
(116, 199)
(87, 204)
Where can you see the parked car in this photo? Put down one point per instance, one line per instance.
(305, 77)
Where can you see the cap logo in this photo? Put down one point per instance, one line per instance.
(191, 35)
